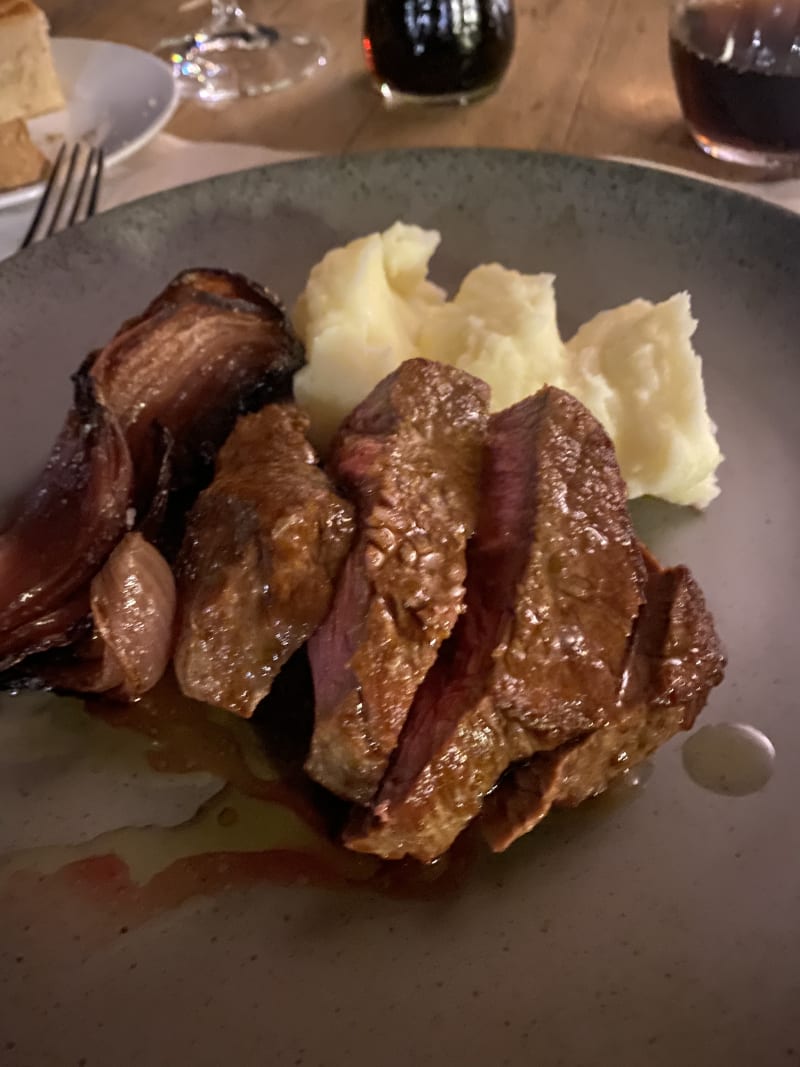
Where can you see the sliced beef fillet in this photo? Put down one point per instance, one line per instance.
(263, 546)
(675, 661)
(554, 587)
(410, 458)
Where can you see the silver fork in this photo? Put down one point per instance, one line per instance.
(71, 192)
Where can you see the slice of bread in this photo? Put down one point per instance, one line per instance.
(28, 81)
(21, 162)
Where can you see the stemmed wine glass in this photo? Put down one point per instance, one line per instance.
(232, 56)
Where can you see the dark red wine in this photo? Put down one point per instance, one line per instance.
(737, 72)
(436, 48)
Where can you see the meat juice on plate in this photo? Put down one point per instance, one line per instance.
(245, 816)
(737, 72)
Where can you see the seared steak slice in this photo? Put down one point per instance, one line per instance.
(554, 586)
(263, 547)
(675, 661)
(410, 458)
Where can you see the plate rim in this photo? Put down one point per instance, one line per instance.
(690, 184)
(694, 184)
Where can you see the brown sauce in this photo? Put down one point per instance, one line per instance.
(268, 826)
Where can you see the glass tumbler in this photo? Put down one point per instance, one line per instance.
(736, 65)
(438, 51)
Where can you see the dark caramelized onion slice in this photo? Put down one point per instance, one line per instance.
(89, 666)
(212, 346)
(198, 281)
(62, 626)
(67, 525)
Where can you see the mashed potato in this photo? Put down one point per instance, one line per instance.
(360, 316)
(635, 369)
(501, 326)
(369, 306)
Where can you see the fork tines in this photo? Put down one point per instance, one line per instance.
(71, 193)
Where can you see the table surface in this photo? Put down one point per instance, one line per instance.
(588, 77)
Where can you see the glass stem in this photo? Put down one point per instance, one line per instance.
(225, 15)
(231, 20)
(222, 10)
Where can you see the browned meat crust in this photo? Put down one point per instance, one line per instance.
(554, 586)
(263, 546)
(409, 457)
(675, 659)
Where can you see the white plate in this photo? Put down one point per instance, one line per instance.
(116, 96)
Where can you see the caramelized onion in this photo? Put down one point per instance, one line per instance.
(133, 613)
(211, 346)
(88, 666)
(67, 525)
(62, 626)
(133, 608)
(151, 409)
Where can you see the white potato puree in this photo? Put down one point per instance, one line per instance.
(369, 305)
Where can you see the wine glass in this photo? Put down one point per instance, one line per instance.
(233, 56)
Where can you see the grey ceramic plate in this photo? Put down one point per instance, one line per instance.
(658, 926)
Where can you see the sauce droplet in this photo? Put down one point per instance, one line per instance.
(729, 758)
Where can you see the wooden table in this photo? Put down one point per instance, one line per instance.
(589, 77)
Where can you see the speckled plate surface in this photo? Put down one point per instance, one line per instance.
(657, 926)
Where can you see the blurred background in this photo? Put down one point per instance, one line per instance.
(590, 77)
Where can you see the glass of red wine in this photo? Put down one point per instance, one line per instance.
(438, 51)
(232, 55)
(736, 65)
